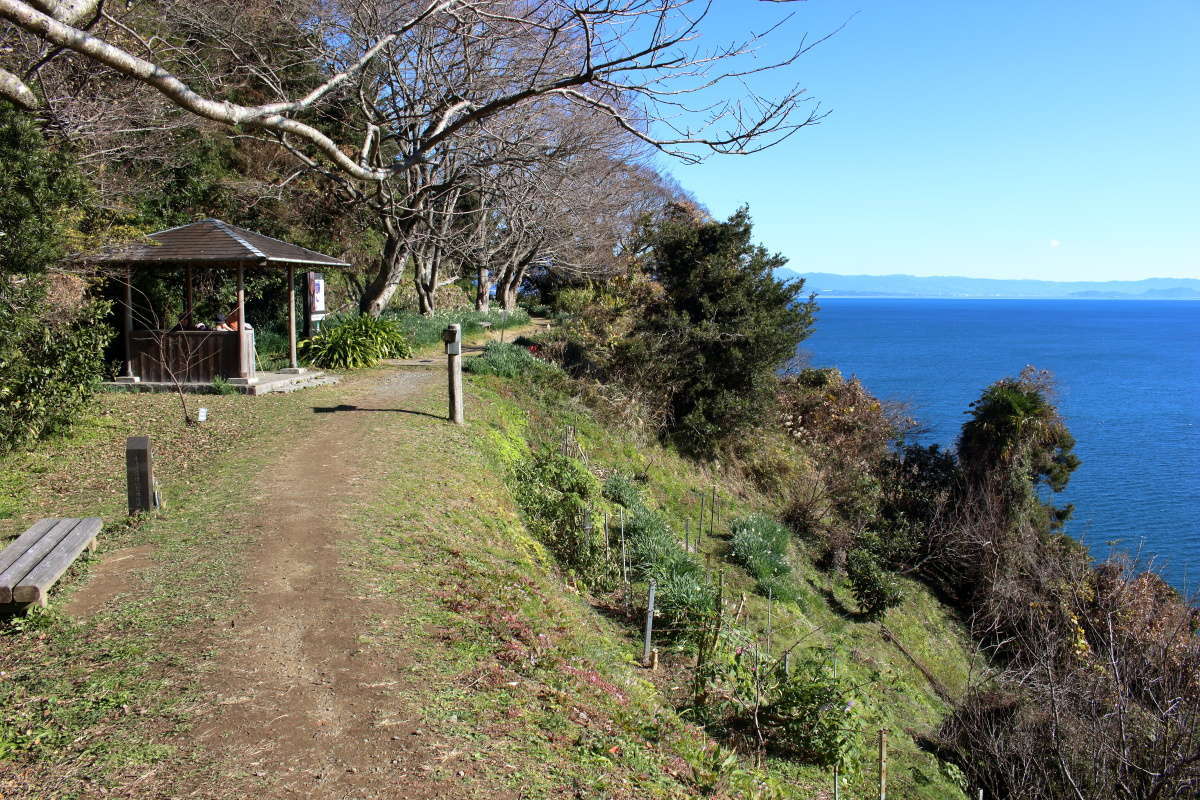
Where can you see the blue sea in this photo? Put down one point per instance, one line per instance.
(1128, 375)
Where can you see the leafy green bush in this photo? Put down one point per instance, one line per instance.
(573, 301)
(760, 544)
(875, 589)
(356, 342)
(508, 361)
(50, 364)
(809, 712)
(556, 493)
(719, 331)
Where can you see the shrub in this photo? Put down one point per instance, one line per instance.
(875, 589)
(50, 364)
(355, 342)
(805, 710)
(760, 544)
(573, 301)
(508, 361)
(721, 328)
(556, 493)
(810, 713)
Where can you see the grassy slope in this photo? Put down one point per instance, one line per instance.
(897, 694)
(519, 670)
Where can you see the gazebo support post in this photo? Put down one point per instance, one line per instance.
(188, 297)
(127, 329)
(293, 367)
(243, 377)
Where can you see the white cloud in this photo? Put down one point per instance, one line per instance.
(1055, 243)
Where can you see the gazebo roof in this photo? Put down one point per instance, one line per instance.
(211, 242)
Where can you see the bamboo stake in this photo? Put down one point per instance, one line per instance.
(882, 764)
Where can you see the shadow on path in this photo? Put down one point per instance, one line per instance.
(344, 407)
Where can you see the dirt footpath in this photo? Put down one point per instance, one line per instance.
(297, 708)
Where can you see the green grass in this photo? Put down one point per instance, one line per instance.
(895, 693)
(518, 668)
(424, 332)
(86, 704)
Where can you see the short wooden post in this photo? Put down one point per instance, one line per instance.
(649, 625)
(882, 765)
(139, 475)
(452, 336)
(687, 535)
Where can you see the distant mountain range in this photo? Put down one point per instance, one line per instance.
(830, 285)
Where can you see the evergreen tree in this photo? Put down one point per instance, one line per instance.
(725, 323)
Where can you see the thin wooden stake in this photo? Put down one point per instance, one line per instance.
(649, 625)
(700, 529)
(687, 535)
(837, 789)
(770, 609)
(607, 544)
(624, 560)
(882, 764)
(712, 513)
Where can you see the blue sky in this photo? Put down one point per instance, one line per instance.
(1057, 140)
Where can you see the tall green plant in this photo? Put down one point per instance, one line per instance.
(356, 342)
(722, 329)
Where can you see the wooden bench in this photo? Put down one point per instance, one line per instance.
(31, 565)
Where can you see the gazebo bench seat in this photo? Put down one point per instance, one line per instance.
(39, 556)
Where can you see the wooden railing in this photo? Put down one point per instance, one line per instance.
(188, 356)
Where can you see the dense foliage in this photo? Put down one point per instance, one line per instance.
(51, 343)
(722, 328)
(50, 365)
(39, 190)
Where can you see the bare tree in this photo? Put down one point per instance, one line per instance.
(637, 61)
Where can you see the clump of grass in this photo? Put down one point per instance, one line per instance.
(620, 488)
(356, 342)
(760, 544)
(508, 361)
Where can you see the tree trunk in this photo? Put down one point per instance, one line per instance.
(425, 298)
(483, 298)
(379, 291)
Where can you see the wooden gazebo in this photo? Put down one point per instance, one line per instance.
(188, 353)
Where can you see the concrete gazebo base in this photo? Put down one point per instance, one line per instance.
(263, 383)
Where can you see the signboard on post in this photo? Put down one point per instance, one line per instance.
(452, 338)
(315, 282)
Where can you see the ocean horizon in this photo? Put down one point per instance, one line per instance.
(1127, 373)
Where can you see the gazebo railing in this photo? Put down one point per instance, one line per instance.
(188, 356)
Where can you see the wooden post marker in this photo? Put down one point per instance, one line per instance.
(452, 336)
(649, 626)
(882, 765)
(139, 475)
